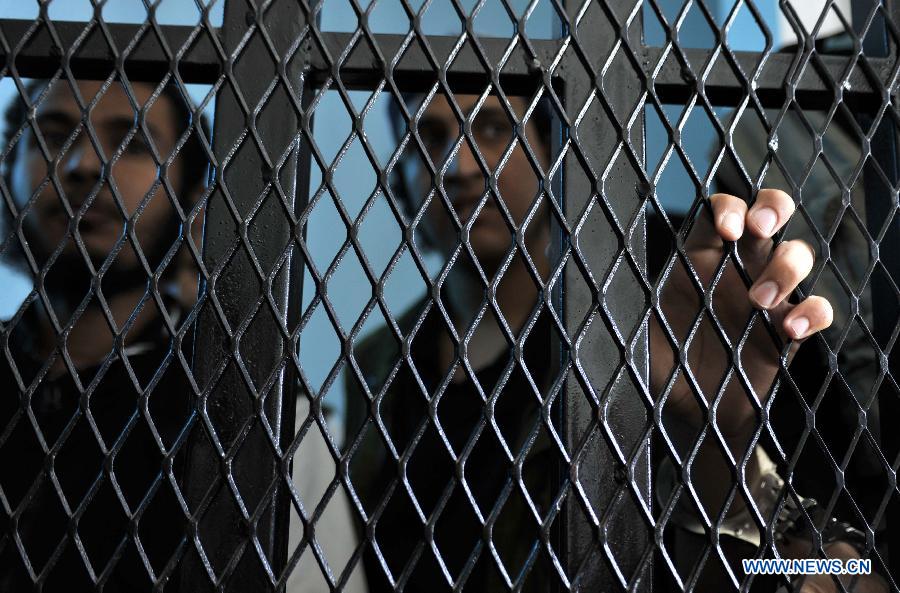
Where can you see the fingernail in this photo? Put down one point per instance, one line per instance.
(733, 223)
(765, 294)
(765, 220)
(799, 327)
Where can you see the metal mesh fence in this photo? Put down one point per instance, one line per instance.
(525, 360)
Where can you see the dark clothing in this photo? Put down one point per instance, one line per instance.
(429, 432)
(793, 436)
(838, 392)
(107, 461)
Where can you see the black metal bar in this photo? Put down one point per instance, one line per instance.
(36, 55)
(674, 83)
(234, 472)
(39, 57)
(881, 205)
(603, 520)
(294, 312)
(560, 354)
(412, 71)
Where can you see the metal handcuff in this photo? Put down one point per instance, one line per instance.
(788, 524)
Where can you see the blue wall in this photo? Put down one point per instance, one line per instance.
(676, 191)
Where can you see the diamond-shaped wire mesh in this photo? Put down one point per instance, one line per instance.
(464, 318)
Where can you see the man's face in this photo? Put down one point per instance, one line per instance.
(466, 182)
(79, 168)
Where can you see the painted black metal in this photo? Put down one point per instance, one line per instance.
(236, 462)
(881, 177)
(199, 62)
(36, 49)
(269, 64)
(605, 416)
(675, 80)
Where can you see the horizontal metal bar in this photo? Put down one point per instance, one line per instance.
(675, 83)
(42, 56)
(363, 69)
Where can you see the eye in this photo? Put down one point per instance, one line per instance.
(492, 130)
(137, 146)
(54, 138)
(134, 146)
(434, 138)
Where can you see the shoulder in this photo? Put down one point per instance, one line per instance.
(377, 353)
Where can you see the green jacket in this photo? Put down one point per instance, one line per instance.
(392, 393)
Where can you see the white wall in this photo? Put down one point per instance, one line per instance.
(809, 12)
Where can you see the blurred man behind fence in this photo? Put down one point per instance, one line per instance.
(96, 396)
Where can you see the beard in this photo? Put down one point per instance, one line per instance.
(69, 279)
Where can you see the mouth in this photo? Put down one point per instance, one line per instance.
(96, 216)
(465, 209)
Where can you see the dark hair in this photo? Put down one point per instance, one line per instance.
(195, 163)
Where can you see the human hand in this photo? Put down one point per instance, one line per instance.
(775, 276)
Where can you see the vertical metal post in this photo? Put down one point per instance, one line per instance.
(612, 523)
(232, 471)
(880, 206)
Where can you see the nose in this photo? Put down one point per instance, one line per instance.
(81, 163)
(464, 174)
(466, 161)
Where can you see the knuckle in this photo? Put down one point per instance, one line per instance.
(775, 194)
(722, 201)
